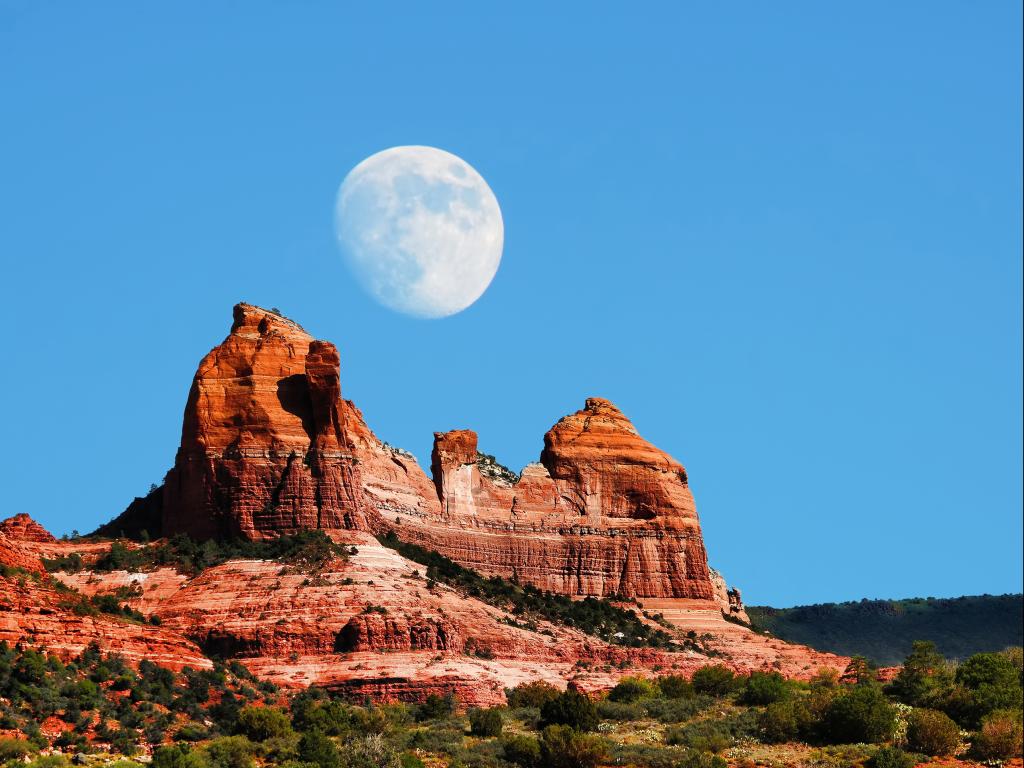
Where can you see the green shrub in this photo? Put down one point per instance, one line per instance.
(485, 722)
(891, 757)
(564, 747)
(573, 709)
(993, 682)
(14, 749)
(612, 710)
(932, 732)
(704, 736)
(535, 694)
(784, 721)
(369, 752)
(714, 680)
(764, 688)
(924, 678)
(523, 751)
(676, 710)
(319, 750)
(861, 714)
(230, 752)
(435, 707)
(675, 687)
(1000, 736)
(262, 723)
(630, 689)
(175, 756)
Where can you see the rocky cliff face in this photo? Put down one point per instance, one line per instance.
(263, 446)
(269, 447)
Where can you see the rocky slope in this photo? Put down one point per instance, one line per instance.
(370, 624)
(269, 447)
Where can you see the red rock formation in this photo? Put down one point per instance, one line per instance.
(263, 446)
(605, 513)
(21, 527)
(269, 447)
(34, 613)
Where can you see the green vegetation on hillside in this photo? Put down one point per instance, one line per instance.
(223, 718)
(307, 550)
(884, 630)
(598, 617)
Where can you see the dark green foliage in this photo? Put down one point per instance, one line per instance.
(435, 707)
(764, 688)
(262, 723)
(675, 687)
(307, 550)
(564, 747)
(523, 751)
(230, 752)
(714, 680)
(677, 710)
(598, 617)
(924, 678)
(573, 709)
(784, 721)
(318, 749)
(72, 563)
(884, 630)
(891, 757)
(535, 694)
(991, 681)
(861, 714)
(614, 710)
(174, 756)
(931, 732)
(630, 689)
(485, 722)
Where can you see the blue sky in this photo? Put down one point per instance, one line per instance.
(784, 238)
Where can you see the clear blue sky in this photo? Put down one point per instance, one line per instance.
(784, 238)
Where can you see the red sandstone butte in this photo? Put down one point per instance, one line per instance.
(268, 447)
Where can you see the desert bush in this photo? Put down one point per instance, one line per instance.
(924, 678)
(485, 722)
(932, 732)
(14, 749)
(993, 682)
(891, 757)
(435, 707)
(229, 752)
(861, 714)
(764, 688)
(262, 723)
(573, 709)
(714, 680)
(704, 736)
(675, 687)
(564, 747)
(369, 752)
(676, 710)
(318, 749)
(523, 751)
(1000, 736)
(783, 721)
(630, 689)
(613, 710)
(535, 694)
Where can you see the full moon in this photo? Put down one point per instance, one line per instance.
(420, 229)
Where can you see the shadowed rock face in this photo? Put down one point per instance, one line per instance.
(269, 447)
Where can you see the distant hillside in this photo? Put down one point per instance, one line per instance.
(883, 630)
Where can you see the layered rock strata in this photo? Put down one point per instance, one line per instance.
(269, 447)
